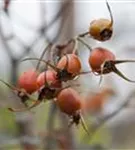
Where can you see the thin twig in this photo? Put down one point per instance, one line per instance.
(42, 55)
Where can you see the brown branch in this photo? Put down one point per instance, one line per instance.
(62, 23)
(68, 132)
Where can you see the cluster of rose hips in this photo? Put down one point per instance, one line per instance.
(49, 83)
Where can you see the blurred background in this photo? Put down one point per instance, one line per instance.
(26, 27)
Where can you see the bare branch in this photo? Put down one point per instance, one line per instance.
(45, 28)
